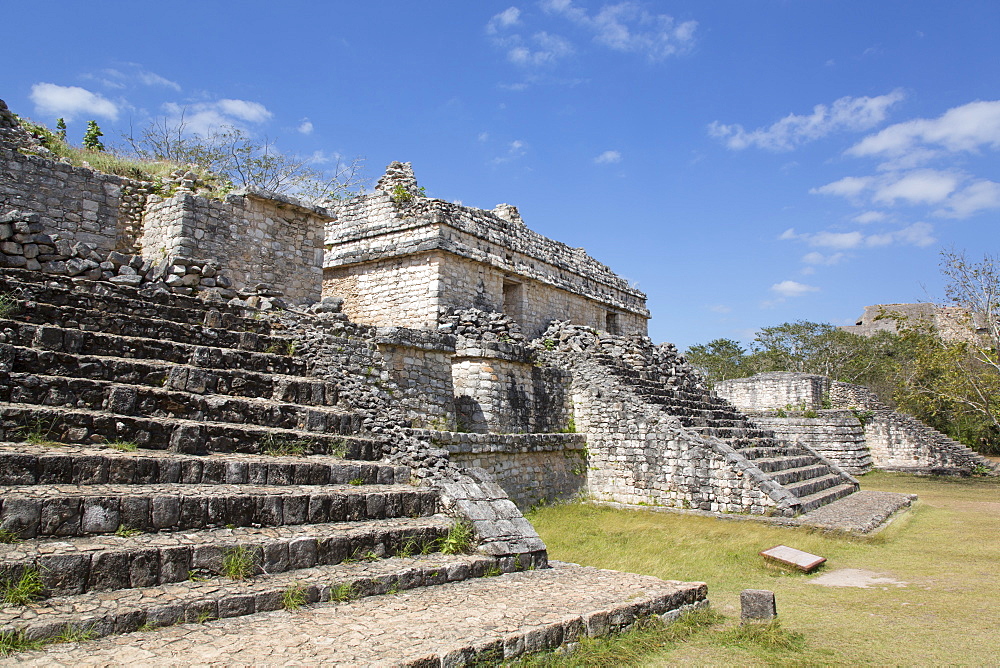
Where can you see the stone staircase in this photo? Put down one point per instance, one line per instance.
(165, 459)
(813, 480)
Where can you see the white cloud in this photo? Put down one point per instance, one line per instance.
(628, 27)
(130, 74)
(515, 150)
(71, 102)
(792, 289)
(849, 186)
(483, 136)
(543, 49)
(305, 127)
(505, 19)
(847, 113)
(817, 258)
(917, 234)
(608, 158)
(153, 79)
(926, 186)
(719, 308)
(204, 118)
(965, 128)
(252, 112)
(979, 196)
(870, 217)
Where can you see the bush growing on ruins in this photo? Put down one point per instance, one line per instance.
(92, 137)
(241, 160)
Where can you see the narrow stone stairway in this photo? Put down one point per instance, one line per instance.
(813, 480)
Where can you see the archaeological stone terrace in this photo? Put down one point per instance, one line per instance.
(213, 404)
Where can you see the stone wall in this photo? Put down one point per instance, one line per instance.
(836, 434)
(486, 259)
(778, 389)
(397, 292)
(75, 204)
(264, 243)
(531, 468)
(420, 363)
(900, 442)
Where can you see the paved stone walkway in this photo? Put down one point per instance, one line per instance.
(490, 617)
(862, 512)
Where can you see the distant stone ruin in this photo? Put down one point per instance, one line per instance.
(848, 424)
(951, 322)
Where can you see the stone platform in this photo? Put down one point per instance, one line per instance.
(484, 620)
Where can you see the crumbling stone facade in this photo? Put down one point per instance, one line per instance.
(401, 259)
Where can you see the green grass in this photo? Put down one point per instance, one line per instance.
(9, 305)
(123, 446)
(294, 597)
(458, 540)
(280, 446)
(947, 550)
(9, 537)
(239, 562)
(343, 592)
(15, 641)
(23, 590)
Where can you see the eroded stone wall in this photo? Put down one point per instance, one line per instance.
(420, 363)
(779, 389)
(263, 242)
(531, 468)
(397, 292)
(75, 204)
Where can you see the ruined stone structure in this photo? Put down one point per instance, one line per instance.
(326, 390)
(400, 259)
(848, 424)
(951, 322)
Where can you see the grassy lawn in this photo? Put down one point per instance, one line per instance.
(946, 550)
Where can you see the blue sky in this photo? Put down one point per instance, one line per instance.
(747, 163)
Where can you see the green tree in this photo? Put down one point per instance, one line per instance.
(92, 137)
(719, 359)
(61, 128)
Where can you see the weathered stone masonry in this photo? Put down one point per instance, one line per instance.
(400, 259)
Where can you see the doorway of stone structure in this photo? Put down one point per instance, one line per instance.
(611, 323)
(513, 300)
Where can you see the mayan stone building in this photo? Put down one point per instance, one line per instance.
(400, 259)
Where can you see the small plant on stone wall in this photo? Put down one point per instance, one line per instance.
(9, 305)
(126, 532)
(122, 445)
(39, 431)
(9, 537)
(16, 641)
(239, 562)
(458, 540)
(294, 597)
(23, 590)
(342, 592)
(282, 446)
(493, 571)
(864, 417)
(407, 549)
(810, 413)
(71, 633)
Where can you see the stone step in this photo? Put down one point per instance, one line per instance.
(102, 614)
(30, 422)
(727, 433)
(154, 373)
(75, 565)
(775, 451)
(808, 487)
(797, 474)
(813, 501)
(135, 326)
(127, 301)
(122, 399)
(31, 511)
(45, 337)
(502, 618)
(783, 463)
(27, 464)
